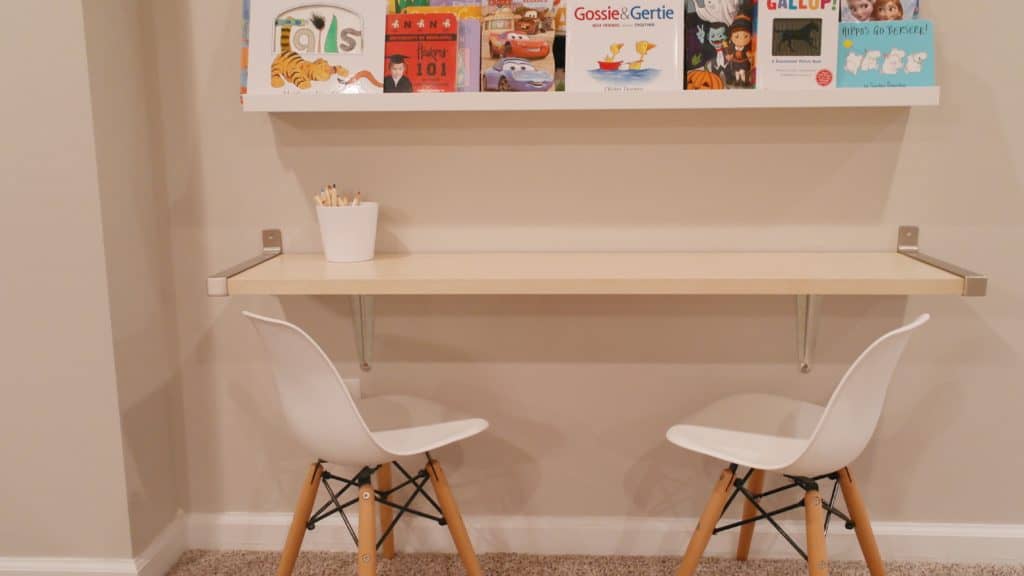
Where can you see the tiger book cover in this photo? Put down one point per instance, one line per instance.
(624, 48)
(516, 46)
(300, 47)
(720, 44)
(799, 44)
(469, 14)
(421, 53)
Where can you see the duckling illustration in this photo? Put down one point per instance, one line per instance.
(642, 48)
(614, 49)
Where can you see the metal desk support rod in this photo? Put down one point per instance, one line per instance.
(217, 285)
(907, 244)
(363, 323)
(807, 307)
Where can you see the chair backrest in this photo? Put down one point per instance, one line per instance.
(317, 405)
(852, 414)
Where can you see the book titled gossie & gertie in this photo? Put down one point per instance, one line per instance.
(632, 47)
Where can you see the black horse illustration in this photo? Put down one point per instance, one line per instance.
(809, 34)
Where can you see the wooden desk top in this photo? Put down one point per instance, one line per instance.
(726, 273)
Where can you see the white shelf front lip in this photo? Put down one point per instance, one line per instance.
(685, 100)
(878, 274)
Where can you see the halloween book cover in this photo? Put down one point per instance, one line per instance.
(798, 44)
(315, 48)
(720, 44)
(516, 46)
(624, 48)
(421, 53)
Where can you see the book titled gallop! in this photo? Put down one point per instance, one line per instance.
(631, 47)
(798, 45)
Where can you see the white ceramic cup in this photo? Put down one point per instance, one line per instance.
(349, 233)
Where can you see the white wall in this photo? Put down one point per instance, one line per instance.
(581, 390)
(60, 436)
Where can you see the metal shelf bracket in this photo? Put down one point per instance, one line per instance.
(217, 285)
(807, 307)
(363, 318)
(975, 285)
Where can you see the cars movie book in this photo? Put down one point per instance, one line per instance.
(516, 46)
(720, 44)
(621, 48)
(469, 14)
(421, 53)
(300, 47)
(798, 44)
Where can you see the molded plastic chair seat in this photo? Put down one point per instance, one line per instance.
(336, 425)
(759, 431)
(804, 441)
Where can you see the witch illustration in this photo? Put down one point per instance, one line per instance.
(738, 70)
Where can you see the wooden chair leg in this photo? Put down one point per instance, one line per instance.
(859, 515)
(706, 525)
(299, 520)
(755, 486)
(367, 555)
(817, 551)
(453, 518)
(386, 513)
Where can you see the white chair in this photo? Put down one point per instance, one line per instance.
(370, 434)
(805, 442)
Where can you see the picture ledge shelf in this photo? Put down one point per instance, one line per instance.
(496, 102)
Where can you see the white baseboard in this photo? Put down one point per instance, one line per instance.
(36, 566)
(155, 560)
(164, 551)
(954, 543)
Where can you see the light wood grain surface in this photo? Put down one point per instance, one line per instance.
(600, 273)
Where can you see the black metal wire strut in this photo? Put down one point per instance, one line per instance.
(335, 506)
(739, 487)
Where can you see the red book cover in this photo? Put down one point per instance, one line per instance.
(421, 53)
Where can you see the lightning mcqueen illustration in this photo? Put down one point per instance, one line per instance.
(517, 45)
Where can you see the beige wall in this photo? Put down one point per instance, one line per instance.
(581, 390)
(63, 489)
(137, 240)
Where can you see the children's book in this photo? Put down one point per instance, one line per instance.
(421, 53)
(624, 48)
(469, 14)
(245, 48)
(877, 10)
(886, 54)
(720, 44)
(298, 47)
(516, 46)
(560, 8)
(799, 44)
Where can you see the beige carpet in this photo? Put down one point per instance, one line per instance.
(200, 563)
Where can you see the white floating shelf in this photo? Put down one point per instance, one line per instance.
(493, 102)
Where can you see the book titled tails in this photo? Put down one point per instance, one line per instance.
(300, 47)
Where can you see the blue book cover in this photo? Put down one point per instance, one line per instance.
(893, 54)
